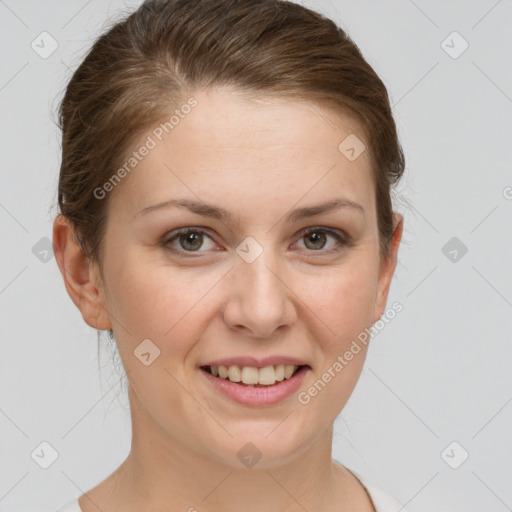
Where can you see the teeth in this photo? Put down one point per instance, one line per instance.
(251, 376)
(234, 374)
(288, 370)
(279, 371)
(267, 375)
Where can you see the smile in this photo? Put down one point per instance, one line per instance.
(252, 376)
(254, 386)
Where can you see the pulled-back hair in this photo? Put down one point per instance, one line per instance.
(150, 62)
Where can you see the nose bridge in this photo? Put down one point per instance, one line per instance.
(258, 276)
(260, 272)
(259, 299)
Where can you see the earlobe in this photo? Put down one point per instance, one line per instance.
(80, 276)
(388, 266)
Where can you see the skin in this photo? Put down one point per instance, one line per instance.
(259, 160)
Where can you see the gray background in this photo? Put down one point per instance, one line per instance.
(438, 373)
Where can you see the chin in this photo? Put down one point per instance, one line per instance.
(260, 448)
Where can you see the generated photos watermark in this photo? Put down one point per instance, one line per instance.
(151, 142)
(304, 397)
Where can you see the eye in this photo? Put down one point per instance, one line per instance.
(315, 239)
(189, 239)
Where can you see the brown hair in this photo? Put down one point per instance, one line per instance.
(145, 65)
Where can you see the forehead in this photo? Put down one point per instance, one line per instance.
(229, 145)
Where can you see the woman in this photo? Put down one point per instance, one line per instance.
(226, 217)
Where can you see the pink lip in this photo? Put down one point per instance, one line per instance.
(258, 363)
(257, 396)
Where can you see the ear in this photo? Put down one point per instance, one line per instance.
(387, 267)
(81, 277)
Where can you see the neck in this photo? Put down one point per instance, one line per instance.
(160, 473)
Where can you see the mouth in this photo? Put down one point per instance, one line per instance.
(254, 386)
(251, 376)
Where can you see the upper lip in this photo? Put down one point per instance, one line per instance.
(256, 362)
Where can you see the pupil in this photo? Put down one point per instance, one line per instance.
(192, 237)
(316, 237)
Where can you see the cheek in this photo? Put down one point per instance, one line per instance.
(150, 300)
(342, 307)
(343, 302)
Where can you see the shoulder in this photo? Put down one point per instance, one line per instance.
(382, 500)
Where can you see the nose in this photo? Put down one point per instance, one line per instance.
(259, 301)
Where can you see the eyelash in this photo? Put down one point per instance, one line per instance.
(343, 240)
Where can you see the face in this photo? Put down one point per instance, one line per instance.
(268, 283)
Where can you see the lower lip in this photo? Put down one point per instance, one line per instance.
(255, 396)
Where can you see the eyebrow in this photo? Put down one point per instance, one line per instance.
(216, 212)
